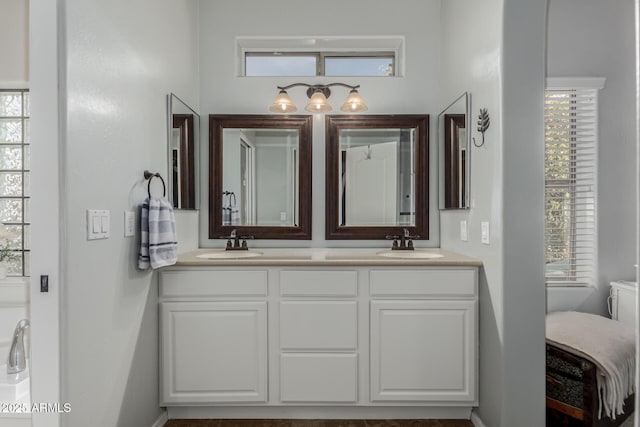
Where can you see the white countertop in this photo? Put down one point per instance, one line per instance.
(326, 256)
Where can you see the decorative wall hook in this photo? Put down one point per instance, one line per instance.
(483, 125)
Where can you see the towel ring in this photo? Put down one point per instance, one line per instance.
(148, 175)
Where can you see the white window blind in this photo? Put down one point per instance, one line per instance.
(571, 135)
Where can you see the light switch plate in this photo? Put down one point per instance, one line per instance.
(129, 224)
(484, 232)
(464, 231)
(98, 224)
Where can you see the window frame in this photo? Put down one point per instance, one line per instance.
(364, 45)
(321, 57)
(575, 87)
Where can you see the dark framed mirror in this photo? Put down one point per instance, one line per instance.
(454, 146)
(377, 176)
(260, 176)
(183, 142)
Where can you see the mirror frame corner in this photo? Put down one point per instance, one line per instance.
(333, 125)
(304, 125)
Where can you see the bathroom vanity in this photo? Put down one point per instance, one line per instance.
(319, 332)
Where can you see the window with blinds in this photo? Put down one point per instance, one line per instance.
(571, 131)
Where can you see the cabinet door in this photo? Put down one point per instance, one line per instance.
(423, 351)
(213, 352)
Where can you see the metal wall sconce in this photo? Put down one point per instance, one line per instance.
(318, 103)
(483, 125)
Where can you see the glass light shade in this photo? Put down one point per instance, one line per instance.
(354, 103)
(318, 103)
(283, 104)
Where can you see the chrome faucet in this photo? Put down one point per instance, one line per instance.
(17, 361)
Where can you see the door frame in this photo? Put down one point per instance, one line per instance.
(47, 85)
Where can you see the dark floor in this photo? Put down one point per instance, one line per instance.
(319, 423)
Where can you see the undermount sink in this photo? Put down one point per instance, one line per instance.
(230, 254)
(415, 254)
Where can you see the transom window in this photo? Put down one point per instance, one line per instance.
(571, 134)
(14, 176)
(334, 56)
(319, 64)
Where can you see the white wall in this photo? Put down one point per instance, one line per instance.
(223, 92)
(590, 38)
(490, 49)
(122, 59)
(14, 44)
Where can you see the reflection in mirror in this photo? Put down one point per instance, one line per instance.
(260, 176)
(376, 169)
(376, 176)
(184, 131)
(454, 148)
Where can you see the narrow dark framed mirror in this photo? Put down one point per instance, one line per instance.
(260, 176)
(183, 126)
(454, 147)
(377, 176)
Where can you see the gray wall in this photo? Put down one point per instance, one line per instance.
(495, 50)
(595, 38)
(223, 92)
(122, 59)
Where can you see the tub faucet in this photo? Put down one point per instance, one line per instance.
(17, 362)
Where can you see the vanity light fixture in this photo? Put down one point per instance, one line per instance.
(318, 103)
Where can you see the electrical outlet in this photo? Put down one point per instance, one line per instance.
(44, 283)
(464, 231)
(484, 232)
(129, 224)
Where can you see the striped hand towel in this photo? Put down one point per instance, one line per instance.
(158, 242)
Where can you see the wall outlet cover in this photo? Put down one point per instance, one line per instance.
(129, 224)
(484, 232)
(464, 231)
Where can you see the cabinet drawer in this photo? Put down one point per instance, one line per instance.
(319, 283)
(440, 282)
(213, 283)
(308, 377)
(318, 325)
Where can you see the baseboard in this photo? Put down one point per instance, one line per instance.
(162, 420)
(319, 412)
(475, 419)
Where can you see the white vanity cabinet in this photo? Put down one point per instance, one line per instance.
(318, 335)
(333, 337)
(423, 335)
(213, 337)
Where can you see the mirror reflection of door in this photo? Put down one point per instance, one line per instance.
(183, 173)
(376, 178)
(454, 159)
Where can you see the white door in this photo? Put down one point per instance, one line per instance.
(423, 350)
(371, 184)
(213, 352)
